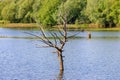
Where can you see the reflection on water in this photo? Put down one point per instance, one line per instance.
(94, 59)
(60, 76)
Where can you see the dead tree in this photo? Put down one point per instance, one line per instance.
(58, 42)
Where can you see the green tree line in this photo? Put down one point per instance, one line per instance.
(103, 12)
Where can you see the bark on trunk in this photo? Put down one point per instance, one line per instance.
(60, 76)
(60, 57)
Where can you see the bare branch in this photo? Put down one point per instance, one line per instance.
(60, 40)
(73, 35)
(47, 41)
(32, 34)
(54, 38)
(44, 40)
(42, 46)
(65, 32)
(60, 31)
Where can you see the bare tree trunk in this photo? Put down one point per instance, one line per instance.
(60, 57)
(60, 76)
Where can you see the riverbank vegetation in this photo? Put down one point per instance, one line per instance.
(96, 13)
(34, 26)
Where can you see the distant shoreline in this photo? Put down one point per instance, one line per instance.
(70, 27)
(18, 25)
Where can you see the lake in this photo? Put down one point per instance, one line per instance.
(85, 59)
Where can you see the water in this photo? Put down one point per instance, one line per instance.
(94, 59)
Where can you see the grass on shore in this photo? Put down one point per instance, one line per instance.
(70, 27)
(18, 25)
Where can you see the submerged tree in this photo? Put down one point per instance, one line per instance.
(59, 39)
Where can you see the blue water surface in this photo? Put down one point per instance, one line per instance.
(85, 59)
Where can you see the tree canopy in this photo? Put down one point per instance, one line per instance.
(103, 12)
